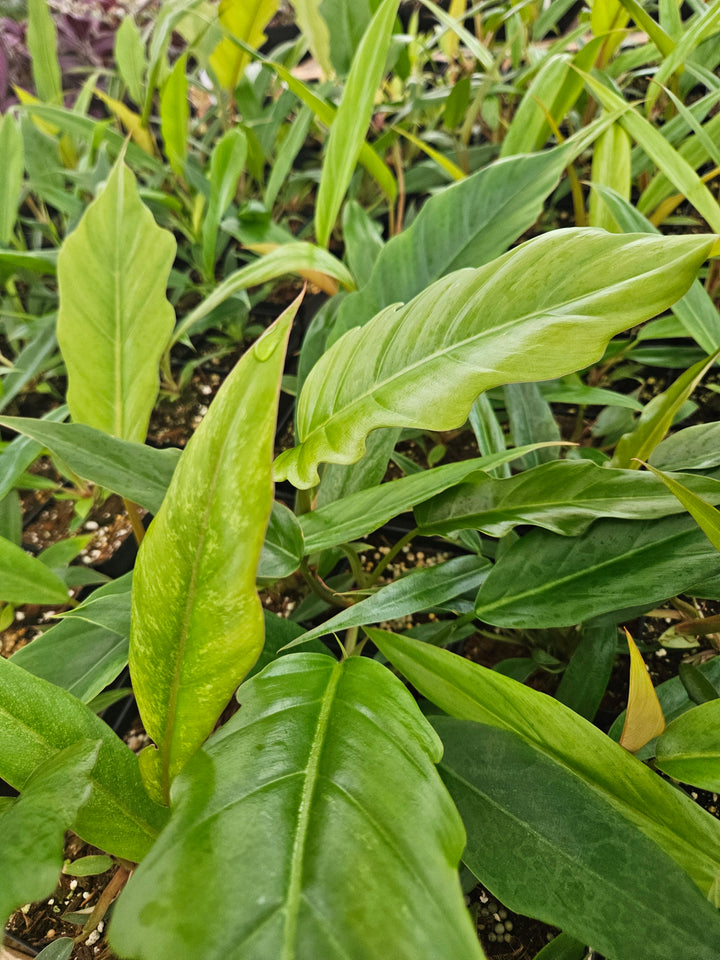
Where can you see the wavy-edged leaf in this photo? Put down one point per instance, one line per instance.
(545, 580)
(350, 124)
(37, 721)
(325, 773)
(689, 749)
(25, 579)
(466, 225)
(563, 496)
(586, 869)
(421, 589)
(359, 513)
(524, 317)
(112, 273)
(33, 829)
(467, 691)
(197, 620)
(644, 719)
(139, 473)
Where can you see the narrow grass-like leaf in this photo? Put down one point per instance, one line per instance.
(350, 124)
(689, 750)
(315, 30)
(139, 473)
(644, 718)
(226, 164)
(42, 47)
(657, 417)
(611, 168)
(112, 273)
(418, 591)
(481, 53)
(33, 829)
(705, 515)
(197, 619)
(700, 29)
(669, 161)
(37, 721)
(523, 317)
(174, 115)
(563, 496)
(467, 691)
(130, 57)
(267, 818)
(12, 166)
(590, 871)
(545, 580)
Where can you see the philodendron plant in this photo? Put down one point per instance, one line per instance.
(327, 818)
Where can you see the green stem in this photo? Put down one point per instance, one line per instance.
(355, 565)
(390, 556)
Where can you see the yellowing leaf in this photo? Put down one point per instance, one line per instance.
(246, 20)
(644, 718)
(131, 121)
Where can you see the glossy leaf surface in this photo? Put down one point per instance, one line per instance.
(197, 620)
(468, 691)
(139, 473)
(347, 757)
(516, 319)
(589, 871)
(37, 721)
(365, 510)
(465, 225)
(112, 274)
(283, 547)
(419, 590)
(700, 508)
(689, 750)
(33, 829)
(545, 580)
(563, 496)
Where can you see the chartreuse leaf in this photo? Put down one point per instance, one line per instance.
(175, 114)
(668, 160)
(130, 57)
(139, 473)
(705, 515)
(281, 806)
(644, 718)
(465, 225)
(42, 46)
(12, 166)
(564, 496)
(37, 721)
(590, 868)
(689, 750)
(288, 258)
(112, 273)
(33, 829)
(350, 124)
(227, 162)
(363, 511)
(611, 167)
(419, 590)
(315, 30)
(25, 579)
(546, 580)
(628, 791)
(197, 623)
(246, 20)
(523, 317)
(657, 417)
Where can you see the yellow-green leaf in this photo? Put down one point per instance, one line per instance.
(644, 718)
(705, 515)
(246, 20)
(197, 623)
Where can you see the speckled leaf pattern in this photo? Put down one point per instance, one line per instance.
(37, 721)
(114, 320)
(523, 317)
(197, 625)
(312, 825)
(587, 870)
(468, 691)
(33, 829)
